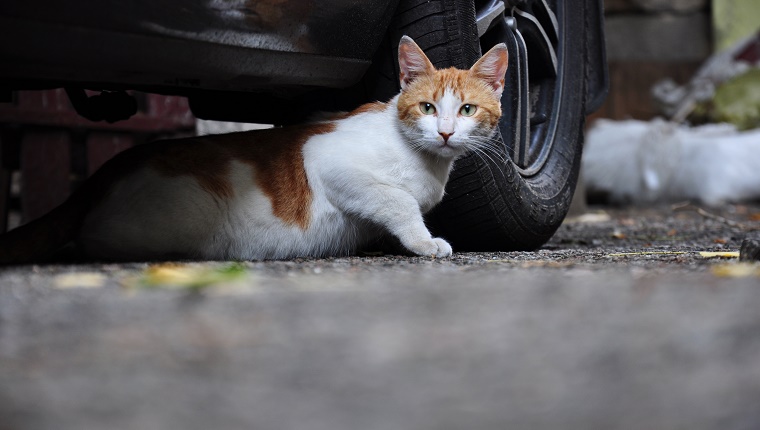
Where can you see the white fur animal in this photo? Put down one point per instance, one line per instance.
(318, 189)
(658, 161)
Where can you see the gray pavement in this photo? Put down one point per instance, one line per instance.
(618, 323)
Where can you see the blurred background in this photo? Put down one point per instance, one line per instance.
(685, 97)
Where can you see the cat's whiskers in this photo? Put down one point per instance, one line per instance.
(494, 152)
(489, 142)
(418, 146)
(487, 147)
(483, 155)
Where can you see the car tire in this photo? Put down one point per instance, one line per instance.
(491, 202)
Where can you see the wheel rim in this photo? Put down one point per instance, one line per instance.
(533, 32)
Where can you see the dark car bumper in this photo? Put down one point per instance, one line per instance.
(171, 46)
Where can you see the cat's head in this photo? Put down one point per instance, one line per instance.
(448, 112)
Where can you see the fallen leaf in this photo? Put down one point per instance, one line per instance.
(626, 254)
(672, 232)
(755, 217)
(726, 254)
(736, 270)
(189, 276)
(80, 280)
(720, 240)
(169, 274)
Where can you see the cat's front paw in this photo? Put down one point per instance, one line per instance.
(435, 247)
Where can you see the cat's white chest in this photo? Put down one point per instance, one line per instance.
(368, 152)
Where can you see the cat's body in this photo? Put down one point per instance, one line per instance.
(318, 189)
(330, 176)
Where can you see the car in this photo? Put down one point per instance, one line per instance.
(279, 61)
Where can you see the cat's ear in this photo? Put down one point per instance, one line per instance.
(412, 62)
(492, 68)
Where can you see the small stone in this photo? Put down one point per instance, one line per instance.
(750, 250)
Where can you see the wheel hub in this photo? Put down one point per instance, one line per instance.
(532, 34)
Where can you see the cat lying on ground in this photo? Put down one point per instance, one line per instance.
(317, 189)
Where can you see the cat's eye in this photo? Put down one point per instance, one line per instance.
(427, 108)
(468, 110)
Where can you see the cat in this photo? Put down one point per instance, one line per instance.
(324, 188)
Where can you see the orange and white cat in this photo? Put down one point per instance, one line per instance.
(317, 189)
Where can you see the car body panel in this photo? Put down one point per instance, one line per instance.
(167, 45)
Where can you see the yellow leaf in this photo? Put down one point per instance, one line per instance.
(738, 270)
(191, 276)
(170, 274)
(728, 254)
(626, 254)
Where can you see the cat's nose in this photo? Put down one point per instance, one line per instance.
(445, 136)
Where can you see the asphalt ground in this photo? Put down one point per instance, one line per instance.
(619, 322)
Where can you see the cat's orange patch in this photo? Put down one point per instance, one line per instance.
(369, 107)
(276, 156)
